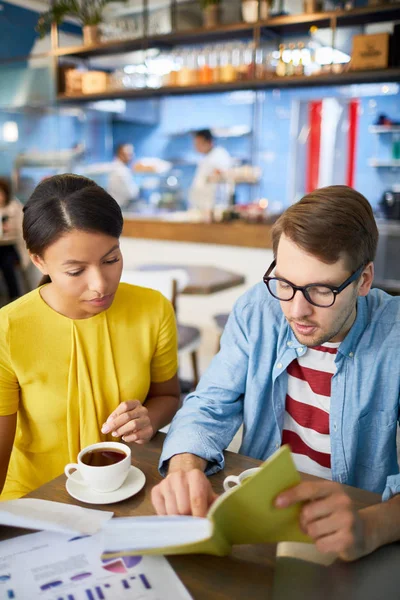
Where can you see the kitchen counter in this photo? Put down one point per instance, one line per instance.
(228, 234)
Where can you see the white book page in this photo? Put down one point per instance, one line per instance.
(32, 513)
(142, 533)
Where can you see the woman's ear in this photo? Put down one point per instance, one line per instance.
(366, 279)
(39, 263)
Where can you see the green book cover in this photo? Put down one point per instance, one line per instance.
(243, 515)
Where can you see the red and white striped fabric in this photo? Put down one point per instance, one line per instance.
(308, 398)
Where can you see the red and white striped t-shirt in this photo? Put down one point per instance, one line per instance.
(308, 399)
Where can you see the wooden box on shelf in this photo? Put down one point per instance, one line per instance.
(94, 82)
(73, 81)
(370, 51)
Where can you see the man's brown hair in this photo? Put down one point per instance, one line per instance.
(331, 223)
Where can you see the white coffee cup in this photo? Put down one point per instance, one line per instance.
(105, 478)
(238, 479)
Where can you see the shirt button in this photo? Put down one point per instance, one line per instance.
(351, 354)
(277, 445)
(279, 365)
(334, 427)
(290, 344)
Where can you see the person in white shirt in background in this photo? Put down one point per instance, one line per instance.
(216, 161)
(121, 185)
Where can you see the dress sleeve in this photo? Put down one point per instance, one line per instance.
(9, 387)
(164, 364)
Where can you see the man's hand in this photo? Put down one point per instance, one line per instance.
(183, 493)
(131, 421)
(329, 518)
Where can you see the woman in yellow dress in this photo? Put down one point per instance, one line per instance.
(83, 358)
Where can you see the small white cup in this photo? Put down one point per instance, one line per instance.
(105, 478)
(238, 479)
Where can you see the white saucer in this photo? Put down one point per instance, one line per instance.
(132, 485)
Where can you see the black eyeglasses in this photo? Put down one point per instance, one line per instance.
(318, 294)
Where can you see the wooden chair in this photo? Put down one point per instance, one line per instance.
(220, 321)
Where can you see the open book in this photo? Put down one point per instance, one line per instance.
(243, 515)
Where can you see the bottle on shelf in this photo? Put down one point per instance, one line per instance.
(184, 74)
(228, 74)
(281, 66)
(192, 63)
(313, 67)
(259, 66)
(205, 75)
(237, 61)
(215, 64)
(299, 66)
(290, 64)
(250, 61)
(172, 78)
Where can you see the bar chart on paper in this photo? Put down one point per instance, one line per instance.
(109, 591)
(62, 568)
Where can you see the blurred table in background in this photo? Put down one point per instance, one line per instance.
(203, 279)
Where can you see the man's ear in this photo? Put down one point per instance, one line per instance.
(366, 279)
(39, 263)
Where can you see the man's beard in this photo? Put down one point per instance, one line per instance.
(338, 325)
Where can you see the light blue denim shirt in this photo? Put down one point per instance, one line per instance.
(247, 383)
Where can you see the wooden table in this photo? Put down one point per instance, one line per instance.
(250, 572)
(203, 280)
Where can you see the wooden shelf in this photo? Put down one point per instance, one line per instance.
(348, 78)
(384, 128)
(357, 16)
(384, 164)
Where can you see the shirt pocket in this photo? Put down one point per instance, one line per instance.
(377, 438)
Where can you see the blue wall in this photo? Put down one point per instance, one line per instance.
(179, 114)
(17, 30)
(183, 113)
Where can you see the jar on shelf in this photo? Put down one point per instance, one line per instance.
(259, 67)
(246, 70)
(250, 60)
(192, 63)
(214, 62)
(270, 63)
(228, 74)
(184, 73)
(205, 72)
(171, 79)
(237, 52)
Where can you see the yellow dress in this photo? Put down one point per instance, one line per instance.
(64, 376)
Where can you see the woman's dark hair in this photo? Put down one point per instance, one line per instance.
(66, 202)
(5, 188)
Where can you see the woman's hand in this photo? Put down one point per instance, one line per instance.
(131, 421)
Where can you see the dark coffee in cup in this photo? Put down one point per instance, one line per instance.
(102, 457)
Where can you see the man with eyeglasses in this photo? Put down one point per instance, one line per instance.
(309, 357)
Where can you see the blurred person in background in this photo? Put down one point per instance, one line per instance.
(12, 247)
(121, 185)
(216, 161)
